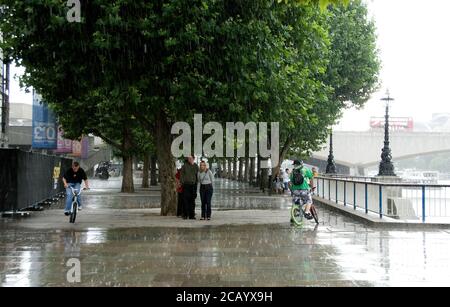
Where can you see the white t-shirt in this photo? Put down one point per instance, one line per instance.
(286, 177)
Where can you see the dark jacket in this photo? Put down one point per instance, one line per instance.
(189, 174)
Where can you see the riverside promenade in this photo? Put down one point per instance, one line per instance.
(120, 240)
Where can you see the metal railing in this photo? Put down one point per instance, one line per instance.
(402, 201)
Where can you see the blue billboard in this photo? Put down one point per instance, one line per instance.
(45, 132)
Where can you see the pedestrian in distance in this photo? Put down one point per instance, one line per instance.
(206, 180)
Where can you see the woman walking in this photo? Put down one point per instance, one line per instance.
(206, 179)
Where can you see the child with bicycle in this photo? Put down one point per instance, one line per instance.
(301, 185)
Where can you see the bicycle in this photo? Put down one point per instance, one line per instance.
(298, 211)
(75, 204)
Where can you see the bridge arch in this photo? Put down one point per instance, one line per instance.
(361, 150)
(405, 157)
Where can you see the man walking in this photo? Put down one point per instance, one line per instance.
(188, 179)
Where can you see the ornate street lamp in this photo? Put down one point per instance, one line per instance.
(386, 165)
(331, 166)
(4, 103)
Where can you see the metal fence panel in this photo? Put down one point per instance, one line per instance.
(27, 178)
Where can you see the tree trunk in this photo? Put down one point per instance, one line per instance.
(145, 169)
(127, 182)
(251, 171)
(135, 163)
(224, 170)
(167, 166)
(235, 169)
(241, 170)
(276, 172)
(154, 179)
(246, 170)
(229, 174)
(219, 169)
(258, 173)
(284, 150)
(264, 178)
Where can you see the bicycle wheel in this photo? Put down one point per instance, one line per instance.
(314, 214)
(297, 215)
(73, 214)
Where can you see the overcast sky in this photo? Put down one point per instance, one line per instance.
(414, 43)
(16, 93)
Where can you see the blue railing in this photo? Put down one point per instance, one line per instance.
(402, 201)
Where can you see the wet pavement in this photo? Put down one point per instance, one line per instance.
(121, 241)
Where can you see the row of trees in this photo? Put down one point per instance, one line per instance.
(132, 68)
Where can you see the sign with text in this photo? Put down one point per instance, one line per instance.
(395, 123)
(76, 149)
(45, 133)
(64, 145)
(80, 149)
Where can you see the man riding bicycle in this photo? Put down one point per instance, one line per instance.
(73, 179)
(301, 185)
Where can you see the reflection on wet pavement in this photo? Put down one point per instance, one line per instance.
(226, 256)
(339, 252)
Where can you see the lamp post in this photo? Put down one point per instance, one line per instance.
(331, 166)
(4, 97)
(386, 165)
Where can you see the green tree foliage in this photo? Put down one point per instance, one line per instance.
(349, 77)
(67, 64)
(354, 65)
(131, 69)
